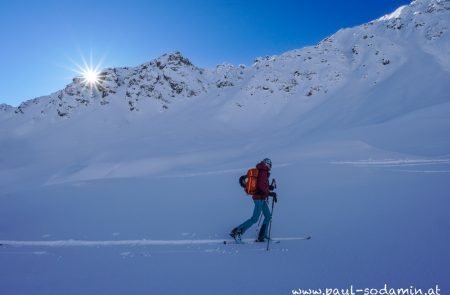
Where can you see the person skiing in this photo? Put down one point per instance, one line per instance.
(263, 191)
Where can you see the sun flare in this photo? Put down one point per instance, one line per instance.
(91, 77)
(89, 73)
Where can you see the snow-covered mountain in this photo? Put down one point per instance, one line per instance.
(366, 55)
(392, 69)
(383, 84)
(357, 128)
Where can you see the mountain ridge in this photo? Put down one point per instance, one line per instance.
(375, 90)
(306, 72)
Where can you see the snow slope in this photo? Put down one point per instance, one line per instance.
(357, 127)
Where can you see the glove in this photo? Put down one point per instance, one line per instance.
(271, 187)
(274, 196)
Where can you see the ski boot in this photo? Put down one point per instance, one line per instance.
(262, 234)
(236, 234)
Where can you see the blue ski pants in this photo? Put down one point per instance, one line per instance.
(260, 206)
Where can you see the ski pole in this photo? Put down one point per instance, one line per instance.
(270, 226)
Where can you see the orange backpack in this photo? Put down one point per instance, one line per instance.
(249, 181)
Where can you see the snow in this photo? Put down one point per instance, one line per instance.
(396, 14)
(395, 162)
(363, 221)
(131, 188)
(143, 242)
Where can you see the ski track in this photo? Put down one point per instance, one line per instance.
(425, 171)
(393, 163)
(143, 242)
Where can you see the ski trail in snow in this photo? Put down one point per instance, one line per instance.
(393, 162)
(144, 242)
(24, 253)
(425, 171)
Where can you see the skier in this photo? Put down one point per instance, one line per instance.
(264, 190)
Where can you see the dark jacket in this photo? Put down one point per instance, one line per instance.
(262, 182)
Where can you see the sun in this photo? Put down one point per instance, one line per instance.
(89, 73)
(91, 77)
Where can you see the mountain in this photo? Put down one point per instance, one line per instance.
(367, 54)
(382, 86)
(371, 79)
(117, 189)
(4, 108)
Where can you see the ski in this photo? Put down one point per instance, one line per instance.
(248, 241)
(239, 242)
(234, 241)
(273, 241)
(295, 238)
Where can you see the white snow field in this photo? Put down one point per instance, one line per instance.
(131, 187)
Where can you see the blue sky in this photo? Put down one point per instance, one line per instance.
(41, 40)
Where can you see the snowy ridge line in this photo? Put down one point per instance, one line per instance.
(392, 163)
(143, 242)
